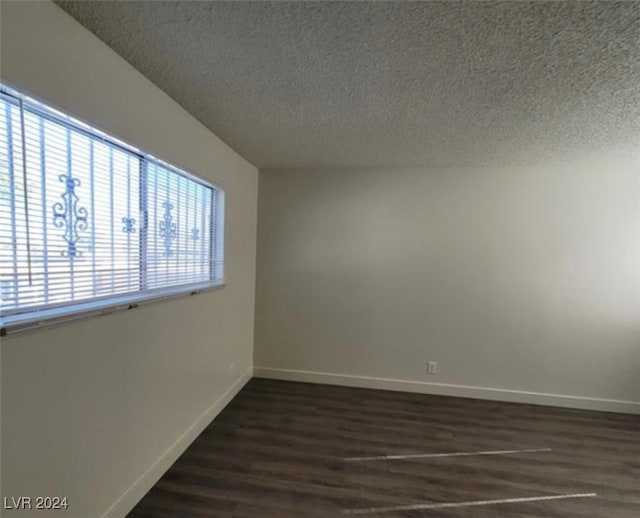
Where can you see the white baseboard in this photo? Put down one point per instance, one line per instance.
(443, 389)
(140, 487)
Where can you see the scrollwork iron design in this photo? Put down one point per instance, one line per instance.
(168, 229)
(129, 225)
(68, 215)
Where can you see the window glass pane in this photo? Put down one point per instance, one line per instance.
(76, 238)
(180, 211)
(84, 217)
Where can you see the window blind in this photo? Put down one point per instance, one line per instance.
(86, 220)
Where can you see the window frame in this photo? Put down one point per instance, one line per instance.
(16, 320)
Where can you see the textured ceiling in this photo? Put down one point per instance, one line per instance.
(388, 84)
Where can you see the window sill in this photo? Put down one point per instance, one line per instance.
(12, 324)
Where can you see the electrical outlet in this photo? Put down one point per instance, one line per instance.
(432, 367)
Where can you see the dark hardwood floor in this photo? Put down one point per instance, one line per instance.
(283, 449)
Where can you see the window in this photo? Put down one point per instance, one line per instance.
(88, 223)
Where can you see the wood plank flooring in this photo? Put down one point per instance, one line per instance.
(278, 450)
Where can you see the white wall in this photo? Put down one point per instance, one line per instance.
(523, 284)
(89, 407)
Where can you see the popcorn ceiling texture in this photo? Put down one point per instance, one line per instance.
(390, 84)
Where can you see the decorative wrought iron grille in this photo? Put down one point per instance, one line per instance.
(69, 216)
(84, 217)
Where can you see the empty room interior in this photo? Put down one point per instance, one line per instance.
(278, 259)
